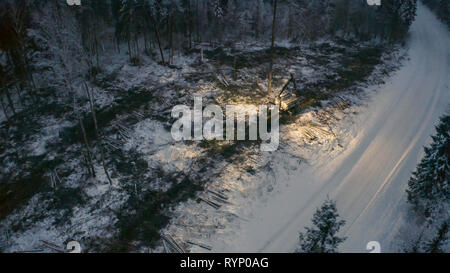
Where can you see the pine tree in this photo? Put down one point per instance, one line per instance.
(429, 184)
(322, 237)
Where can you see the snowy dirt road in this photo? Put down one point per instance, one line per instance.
(369, 177)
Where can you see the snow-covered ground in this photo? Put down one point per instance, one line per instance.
(363, 161)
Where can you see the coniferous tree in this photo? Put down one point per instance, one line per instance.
(322, 237)
(429, 184)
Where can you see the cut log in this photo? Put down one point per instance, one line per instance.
(209, 202)
(52, 246)
(218, 194)
(200, 245)
(169, 240)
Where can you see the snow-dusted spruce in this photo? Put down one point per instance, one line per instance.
(322, 237)
(429, 189)
(428, 193)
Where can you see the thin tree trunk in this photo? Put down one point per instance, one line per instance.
(171, 39)
(102, 155)
(198, 22)
(159, 43)
(190, 23)
(138, 56)
(88, 165)
(97, 134)
(235, 68)
(96, 44)
(11, 104)
(88, 149)
(257, 18)
(129, 48)
(5, 111)
(155, 27)
(145, 42)
(272, 45)
(20, 95)
(91, 103)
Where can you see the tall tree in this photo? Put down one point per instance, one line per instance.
(272, 46)
(429, 184)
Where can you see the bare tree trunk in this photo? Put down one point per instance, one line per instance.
(11, 104)
(272, 45)
(159, 43)
(257, 18)
(190, 23)
(20, 95)
(91, 103)
(88, 165)
(138, 56)
(118, 45)
(96, 44)
(145, 42)
(171, 39)
(88, 149)
(97, 134)
(235, 68)
(201, 53)
(198, 22)
(129, 48)
(153, 23)
(5, 111)
(102, 155)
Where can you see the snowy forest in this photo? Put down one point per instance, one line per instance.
(86, 94)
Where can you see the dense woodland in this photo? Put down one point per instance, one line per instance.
(32, 30)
